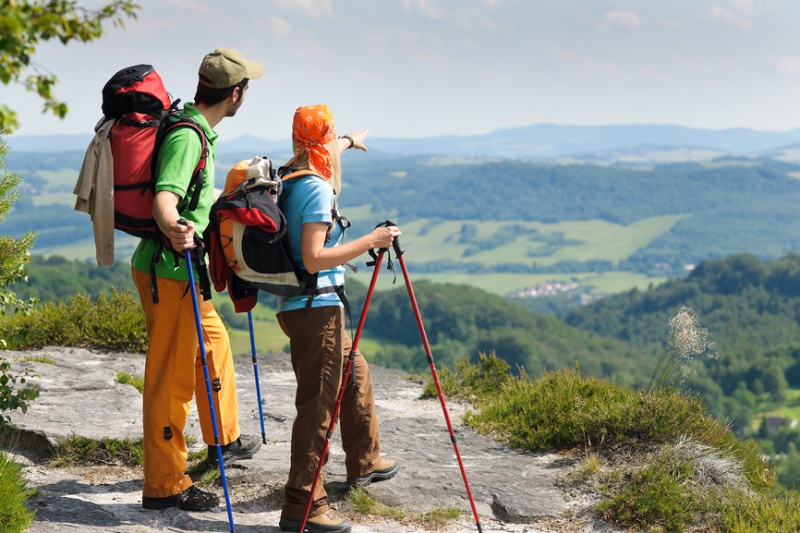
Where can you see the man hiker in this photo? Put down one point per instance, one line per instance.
(173, 369)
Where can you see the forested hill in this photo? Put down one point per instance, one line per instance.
(730, 206)
(724, 207)
(751, 309)
(462, 321)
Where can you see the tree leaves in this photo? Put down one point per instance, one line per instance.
(24, 24)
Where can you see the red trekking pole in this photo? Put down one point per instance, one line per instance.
(345, 377)
(399, 253)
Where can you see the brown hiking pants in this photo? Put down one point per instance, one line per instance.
(173, 374)
(320, 348)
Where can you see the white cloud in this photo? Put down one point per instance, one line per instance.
(280, 27)
(745, 7)
(584, 67)
(787, 65)
(466, 18)
(727, 16)
(314, 8)
(620, 20)
(425, 8)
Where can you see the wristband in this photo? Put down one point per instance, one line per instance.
(352, 142)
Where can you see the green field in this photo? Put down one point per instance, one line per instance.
(268, 335)
(59, 180)
(587, 240)
(790, 409)
(425, 241)
(502, 283)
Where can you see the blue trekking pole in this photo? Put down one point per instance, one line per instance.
(255, 370)
(204, 360)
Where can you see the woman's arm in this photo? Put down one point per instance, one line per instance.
(358, 140)
(317, 258)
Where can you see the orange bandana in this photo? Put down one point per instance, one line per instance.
(312, 129)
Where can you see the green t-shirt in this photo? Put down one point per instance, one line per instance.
(176, 162)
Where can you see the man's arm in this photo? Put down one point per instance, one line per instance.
(165, 211)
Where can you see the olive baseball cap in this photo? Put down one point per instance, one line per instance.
(225, 67)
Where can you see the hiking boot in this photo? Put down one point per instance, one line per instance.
(386, 469)
(242, 448)
(192, 499)
(315, 524)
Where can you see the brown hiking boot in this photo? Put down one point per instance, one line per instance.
(385, 469)
(316, 524)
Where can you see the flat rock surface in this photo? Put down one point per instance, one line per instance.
(512, 491)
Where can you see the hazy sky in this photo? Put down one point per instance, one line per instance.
(418, 68)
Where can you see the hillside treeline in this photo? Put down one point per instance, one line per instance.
(460, 321)
(750, 308)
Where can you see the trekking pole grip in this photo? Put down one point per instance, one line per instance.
(183, 222)
(398, 251)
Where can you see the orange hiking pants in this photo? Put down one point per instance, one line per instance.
(320, 347)
(173, 374)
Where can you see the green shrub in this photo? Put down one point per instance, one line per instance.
(114, 322)
(470, 382)
(15, 516)
(777, 512)
(12, 397)
(565, 409)
(658, 497)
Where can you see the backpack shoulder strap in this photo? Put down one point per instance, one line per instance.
(299, 174)
(199, 170)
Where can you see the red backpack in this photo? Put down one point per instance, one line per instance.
(142, 114)
(136, 99)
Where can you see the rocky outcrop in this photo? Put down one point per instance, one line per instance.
(513, 491)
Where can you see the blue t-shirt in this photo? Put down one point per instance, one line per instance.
(305, 200)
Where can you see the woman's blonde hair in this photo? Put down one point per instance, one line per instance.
(301, 163)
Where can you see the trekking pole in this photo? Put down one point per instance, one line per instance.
(255, 371)
(204, 360)
(345, 377)
(399, 253)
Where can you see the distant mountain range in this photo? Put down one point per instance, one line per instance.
(541, 141)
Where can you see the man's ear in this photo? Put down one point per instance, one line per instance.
(236, 95)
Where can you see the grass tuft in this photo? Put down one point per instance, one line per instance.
(38, 359)
(361, 502)
(78, 450)
(15, 516)
(127, 379)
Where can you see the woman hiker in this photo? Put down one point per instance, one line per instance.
(319, 344)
